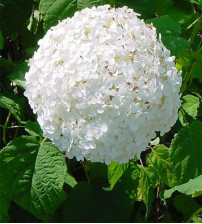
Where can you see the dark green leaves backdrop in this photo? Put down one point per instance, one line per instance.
(37, 183)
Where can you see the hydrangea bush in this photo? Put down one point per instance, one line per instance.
(100, 111)
(102, 85)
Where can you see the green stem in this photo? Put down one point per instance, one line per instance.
(44, 140)
(85, 171)
(5, 127)
(195, 30)
(184, 117)
(12, 126)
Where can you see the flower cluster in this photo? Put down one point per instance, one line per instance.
(102, 85)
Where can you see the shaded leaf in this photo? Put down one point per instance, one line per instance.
(115, 171)
(187, 206)
(14, 104)
(33, 128)
(96, 205)
(177, 45)
(148, 182)
(165, 25)
(1, 41)
(18, 75)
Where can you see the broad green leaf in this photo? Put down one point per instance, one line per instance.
(98, 174)
(176, 45)
(14, 14)
(146, 8)
(55, 10)
(165, 25)
(1, 41)
(115, 171)
(159, 158)
(187, 206)
(87, 204)
(175, 166)
(192, 187)
(33, 128)
(14, 104)
(196, 69)
(33, 175)
(175, 10)
(148, 181)
(18, 75)
(190, 104)
(4, 206)
(130, 180)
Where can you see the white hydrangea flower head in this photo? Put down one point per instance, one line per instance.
(102, 85)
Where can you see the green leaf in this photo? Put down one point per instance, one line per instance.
(55, 10)
(81, 4)
(14, 14)
(187, 206)
(148, 181)
(130, 180)
(87, 204)
(33, 128)
(174, 9)
(14, 104)
(115, 171)
(196, 69)
(70, 180)
(1, 41)
(18, 75)
(4, 206)
(192, 187)
(146, 8)
(182, 161)
(190, 104)
(33, 175)
(165, 25)
(176, 45)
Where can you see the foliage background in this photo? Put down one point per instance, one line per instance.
(37, 183)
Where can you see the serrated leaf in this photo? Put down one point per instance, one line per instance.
(176, 45)
(115, 171)
(18, 75)
(130, 180)
(148, 181)
(33, 175)
(190, 188)
(190, 104)
(55, 10)
(96, 205)
(14, 104)
(182, 161)
(33, 128)
(165, 25)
